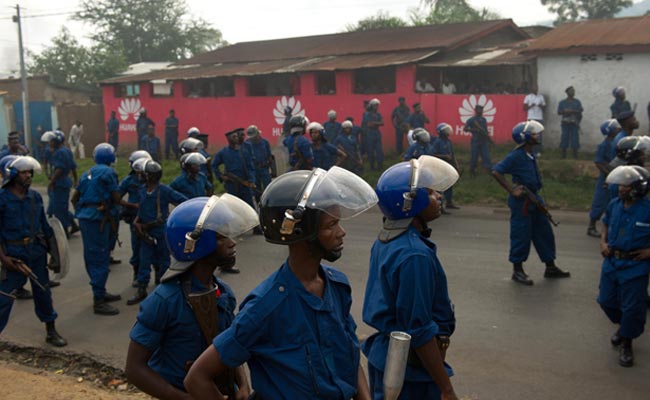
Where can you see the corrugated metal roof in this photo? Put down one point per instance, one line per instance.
(505, 55)
(617, 34)
(329, 63)
(443, 36)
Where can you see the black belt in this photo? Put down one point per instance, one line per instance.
(623, 255)
(22, 242)
(443, 344)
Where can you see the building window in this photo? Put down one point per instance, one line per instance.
(614, 57)
(127, 90)
(374, 80)
(274, 85)
(588, 57)
(213, 87)
(162, 88)
(326, 82)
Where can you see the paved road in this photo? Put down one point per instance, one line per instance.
(549, 341)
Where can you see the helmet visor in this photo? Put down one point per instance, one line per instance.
(194, 159)
(228, 215)
(625, 175)
(25, 163)
(47, 136)
(434, 173)
(138, 165)
(339, 193)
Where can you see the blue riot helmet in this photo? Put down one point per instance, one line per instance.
(190, 145)
(104, 153)
(444, 129)
(297, 125)
(631, 175)
(610, 127)
(138, 154)
(421, 135)
(192, 229)
(18, 165)
(403, 189)
(57, 136)
(4, 163)
(291, 205)
(152, 171)
(192, 159)
(522, 132)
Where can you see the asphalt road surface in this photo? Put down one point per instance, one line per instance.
(548, 341)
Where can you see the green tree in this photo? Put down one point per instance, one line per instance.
(69, 63)
(573, 10)
(152, 30)
(382, 20)
(449, 11)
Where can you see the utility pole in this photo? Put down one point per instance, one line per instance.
(23, 78)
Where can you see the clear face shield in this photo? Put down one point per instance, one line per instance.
(429, 172)
(625, 175)
(337, 192)
(227, 215)
(642, 145)
(47, 136)
(25, 163)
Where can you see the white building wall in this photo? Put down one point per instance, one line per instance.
(594, 82)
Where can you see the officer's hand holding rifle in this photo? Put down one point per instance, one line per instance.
(17, 265)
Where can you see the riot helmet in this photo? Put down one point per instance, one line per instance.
(631, 175)
(104, 153)
(152, 171)
(522, 132)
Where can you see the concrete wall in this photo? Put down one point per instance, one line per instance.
(39, 89)
(593, 81)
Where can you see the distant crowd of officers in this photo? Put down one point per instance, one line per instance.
(294, 330)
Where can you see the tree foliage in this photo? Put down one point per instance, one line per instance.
(573, 10)
(152, 30)
(449, 11)
(382, 20)
(69, 63)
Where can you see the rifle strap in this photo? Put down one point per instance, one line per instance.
(158, 213)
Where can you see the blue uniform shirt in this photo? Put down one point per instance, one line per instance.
(16, 219)
(131, 185)
(470, 125)
(304, 147)
(628, 229)
(236, 161)
(167, 326)
(618, 138)
(442, 146)
(619, 106)
(95, 187)
(150, 204)
(605, 152)
(324, 156)
(416, 120)
(191, 186)
(332, 130)
(372, 117)
(349, 144)
(297, 345)
(62, 159)
(574, 104)
(523, 168)
(171, 126)
(152, 145)
(406, 291)
(416, 150)
(113, 125)
(261, 153)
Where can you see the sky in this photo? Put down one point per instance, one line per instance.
(239, 21)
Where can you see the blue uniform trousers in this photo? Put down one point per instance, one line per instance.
(153, 254)
(528, 224)
(624, 303)
(399, 141)
(448, 194)
(570, 136)
(482, 149)
(171, 143)
(262, 179)
(410, 391)
(42, 299)
(374, 149)
(96, 242)
(58, 206)
(601, 199)
(135, 248)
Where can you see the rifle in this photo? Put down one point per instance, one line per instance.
(240, 182)
(112, 223)
(144, 232)
(25, 270)
(538, 204)
(482, 132)
(300, 157)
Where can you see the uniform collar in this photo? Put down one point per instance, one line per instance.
(313, 301)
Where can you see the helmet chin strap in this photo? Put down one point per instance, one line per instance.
(317, 248)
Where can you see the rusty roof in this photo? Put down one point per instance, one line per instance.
(618, 35)
(442, 36)
(510, 54)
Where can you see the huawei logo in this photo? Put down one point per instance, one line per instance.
(283, 103)
(467, 109)
(128, 107)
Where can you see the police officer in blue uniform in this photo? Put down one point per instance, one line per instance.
(142, 126)
(405, 274)
(113, 128)
(170, 331)
(262, 157)
(421, 147)
(151, 144)
(97, 193)
(619, 105)
(605, 153)
(299, 148)
(398, 117)
(625, 245)
(570, 110)
(62, 165)
(628, 123)
(171, 134)
(192, 182)
(417, 119)
(195, 133)
(13, 146)
(348, 143)
(332, 127)
(326, 155)
(372, 121)
(480, 144)
(295, 330)
(443, 148)
(149, 224)
(132, 185)
(527, 222)
(23, 250)
(239, 172)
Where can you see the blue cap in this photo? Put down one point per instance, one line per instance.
(625, 115)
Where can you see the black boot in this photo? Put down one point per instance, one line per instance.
(625, 353)
(552, 271)
(591, 230)
(519, 276)
(103, 308)
(53, 336)
(74, 228)
(140, 295)
(134, 283)
(23, 294)
(616, 339)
